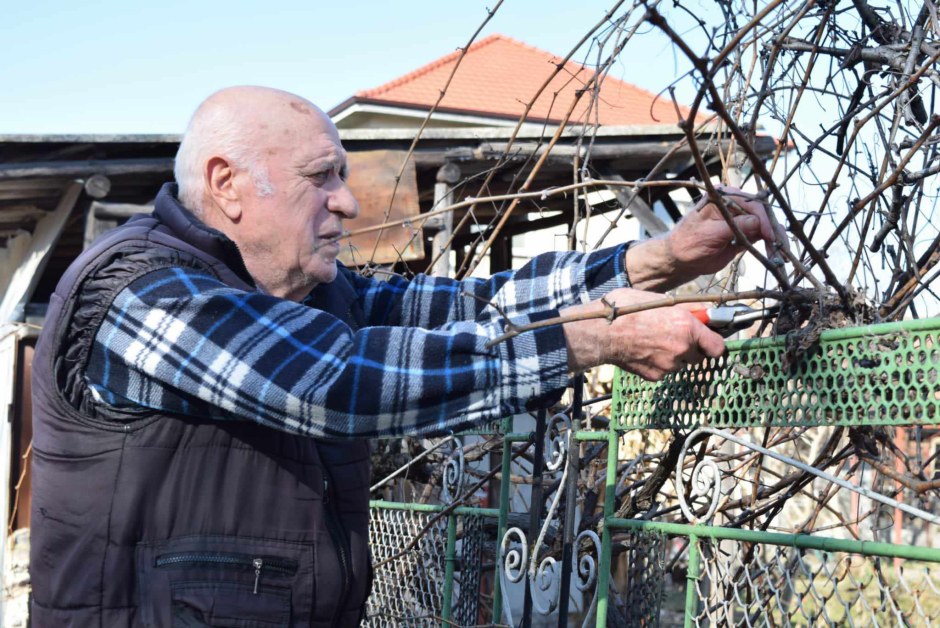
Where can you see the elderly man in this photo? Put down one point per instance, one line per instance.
(207, 374)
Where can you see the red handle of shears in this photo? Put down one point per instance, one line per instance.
(727, 319)
(702, 316)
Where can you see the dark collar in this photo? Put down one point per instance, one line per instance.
(338, 298)
(186, 226)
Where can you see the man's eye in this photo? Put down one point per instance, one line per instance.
(320, 177)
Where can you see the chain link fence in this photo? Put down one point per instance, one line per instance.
(770, 585)
(410, 550)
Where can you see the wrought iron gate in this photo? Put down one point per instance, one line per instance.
(792, 498)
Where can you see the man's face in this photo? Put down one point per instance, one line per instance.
(289, 230)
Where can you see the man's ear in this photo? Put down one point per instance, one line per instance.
(220, 184)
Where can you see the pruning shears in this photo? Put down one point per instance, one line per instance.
(729, 319)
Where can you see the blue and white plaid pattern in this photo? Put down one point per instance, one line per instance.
(180, 341)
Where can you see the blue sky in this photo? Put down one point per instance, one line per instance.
(110, 66)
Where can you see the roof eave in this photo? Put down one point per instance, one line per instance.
(90, 138)
(336, 112)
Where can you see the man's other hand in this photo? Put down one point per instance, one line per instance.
(701, 243)
(650, 343)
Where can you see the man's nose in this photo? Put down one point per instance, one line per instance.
(343, 202)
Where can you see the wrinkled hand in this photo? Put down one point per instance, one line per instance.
(650, 343)
(702, 242)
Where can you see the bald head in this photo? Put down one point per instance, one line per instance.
(237, 124)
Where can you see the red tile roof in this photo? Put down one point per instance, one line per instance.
(499, 75)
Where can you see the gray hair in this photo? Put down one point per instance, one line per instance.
(215, 131)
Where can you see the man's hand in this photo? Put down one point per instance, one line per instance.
(650, 343)
(702, 243)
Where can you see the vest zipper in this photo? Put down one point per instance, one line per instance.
(260, 564)
(340, 543)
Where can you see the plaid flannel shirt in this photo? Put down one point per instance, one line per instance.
(180, 341)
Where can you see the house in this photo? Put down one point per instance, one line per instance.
(496, 80)
(497, 106)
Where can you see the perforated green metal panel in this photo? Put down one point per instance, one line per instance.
(876, 375)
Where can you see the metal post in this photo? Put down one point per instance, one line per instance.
(535, 512)
(610, 497)
(450, 562)
(503, 518)
(571, 502)
(691, 580)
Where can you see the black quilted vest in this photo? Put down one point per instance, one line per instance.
(147, 519)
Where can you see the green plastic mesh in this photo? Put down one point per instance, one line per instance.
(876, 375)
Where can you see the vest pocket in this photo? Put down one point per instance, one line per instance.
(221, 604)
(268, 566)
(225, 581)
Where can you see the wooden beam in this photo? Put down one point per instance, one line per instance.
(12, 254)
(28, 191)
(107, 167)
(28, 265)
(102, 217)
(34, 185)
(653, 224)
(117, 210)
(7, 391)
(671, 207)
(638, 152)
(447, 176)
(18, 213)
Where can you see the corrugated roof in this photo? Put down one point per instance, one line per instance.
(499, 75)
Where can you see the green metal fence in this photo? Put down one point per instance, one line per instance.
(774, 486)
